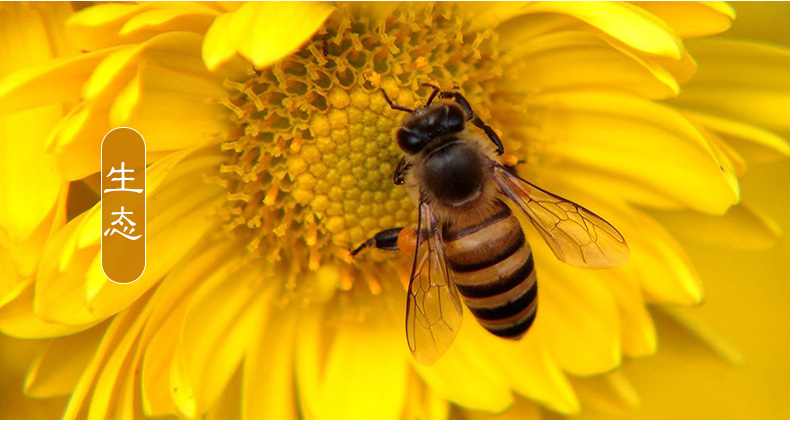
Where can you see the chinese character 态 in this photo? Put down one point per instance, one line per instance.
(120, 221)
(123, 179)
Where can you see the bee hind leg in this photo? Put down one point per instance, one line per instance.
(383, 240)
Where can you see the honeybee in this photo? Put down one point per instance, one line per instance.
(468, 243)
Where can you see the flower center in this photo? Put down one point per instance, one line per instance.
(310, 171)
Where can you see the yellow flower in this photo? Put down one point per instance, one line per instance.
(271, 154)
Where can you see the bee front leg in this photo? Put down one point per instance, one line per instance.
(400, 171)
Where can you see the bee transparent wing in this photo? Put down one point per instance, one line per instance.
(434, 310)
(575, 234)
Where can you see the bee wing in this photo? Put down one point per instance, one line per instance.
(434, 310)
(575, 234)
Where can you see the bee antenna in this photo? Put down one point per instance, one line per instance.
(394, 106)
(435, 90)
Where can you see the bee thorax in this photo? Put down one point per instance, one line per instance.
(454, 174)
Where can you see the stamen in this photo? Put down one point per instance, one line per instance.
(311, 159)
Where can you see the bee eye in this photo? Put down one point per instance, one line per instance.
(409, 142)
(455, 121)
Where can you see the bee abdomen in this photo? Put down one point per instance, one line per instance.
(494, 271)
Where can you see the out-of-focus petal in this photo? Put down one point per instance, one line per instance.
(152, 22)
(268, 373)
(48, 82)
(755, 144)
(665, 271)
(531, 368)
(58, 368)
(632, 139)
(552, 61)
(611, 393)
(266, 32)
(627, 23)
(178, 218)
(206, 264)
(742, 227)
(218, 47)
(114, 335)
(575, 313)
(29, 178)
(462, 386)
(423, 402)
(691, 19)
(364, 371)
(742, 80)
(214, 339)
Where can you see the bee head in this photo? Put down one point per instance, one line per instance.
(428, 123)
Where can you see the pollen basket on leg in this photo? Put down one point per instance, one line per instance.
(310, 162)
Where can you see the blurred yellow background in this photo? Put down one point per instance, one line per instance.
(747, 301)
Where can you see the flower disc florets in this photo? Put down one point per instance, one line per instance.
(311, 161)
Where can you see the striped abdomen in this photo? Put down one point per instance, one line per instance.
(493, 270)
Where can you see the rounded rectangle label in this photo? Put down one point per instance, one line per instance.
(123, 205)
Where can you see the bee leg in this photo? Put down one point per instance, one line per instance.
(383, 240)
(400, 171)
(394, 106)
(473, 118)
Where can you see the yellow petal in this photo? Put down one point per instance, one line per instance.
(523, 409)
(692, 19)
(638, 140)
(423, 403)
(76, 141)
(18, 319)
(152, 22)
(48, 82)
(463, 386)
(218, 47)
(175, 51)
(108, 25)
(156, 367)
(169, 118)
(741, 80)
(178, 218)
(742, 227)
(490, 14)
(637, 332)
(666, 273)
(682, 70)
(215, 336)
(610, 393)
(19, 260)
(205, 264)
(98, 26)
(754, 143)
(266, 32)
(705, 333)
(11, 282)
(575, 313)
(531, 369)
(629, 24)
(115, 333)
(363, 374)
(29, 178)
(552, 62)
(268, 376)
(113, 375)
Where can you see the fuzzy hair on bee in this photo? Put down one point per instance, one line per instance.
(469, 246)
